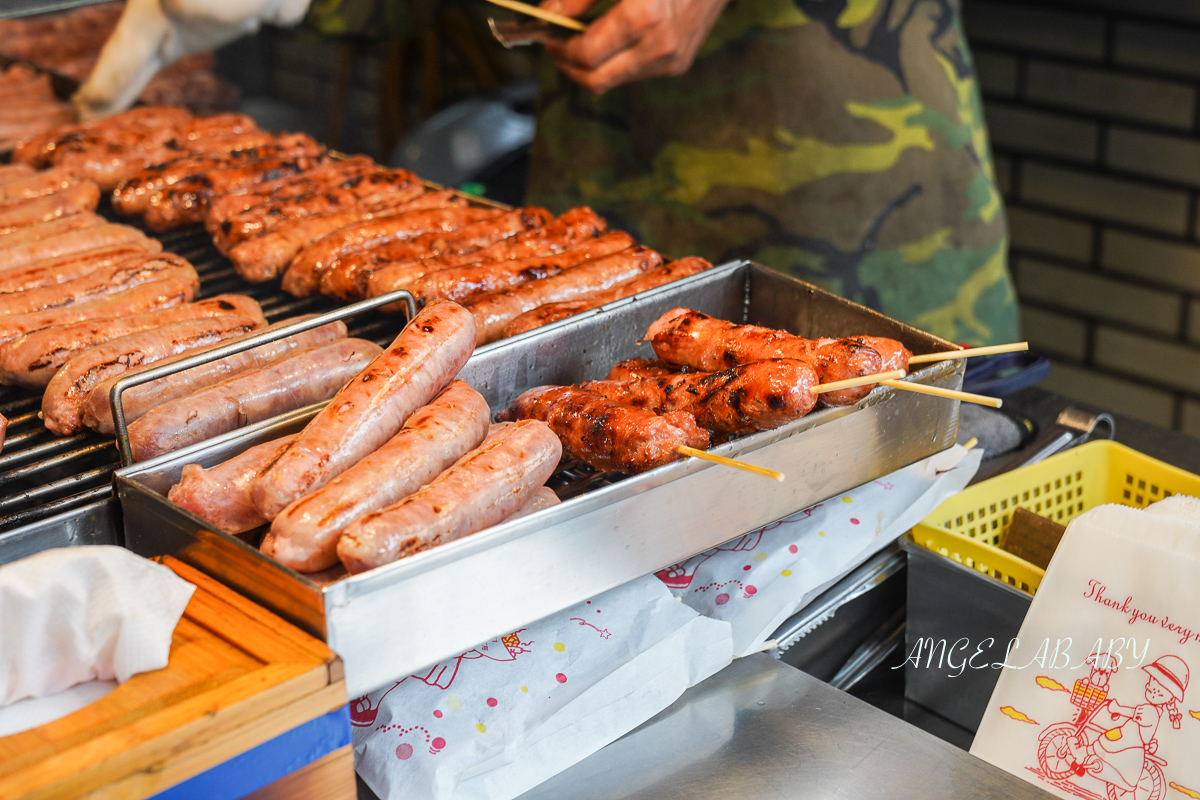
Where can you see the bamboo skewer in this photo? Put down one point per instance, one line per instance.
(729, 462)
(950, 355)
(950, 394)
(862, 380)
(545, 16)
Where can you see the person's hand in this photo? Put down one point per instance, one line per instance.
(635, 39)
(155, 33)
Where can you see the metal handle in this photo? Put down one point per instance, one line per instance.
(239, 346)
(1072, 427)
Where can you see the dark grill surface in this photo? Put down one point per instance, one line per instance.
(42, 474)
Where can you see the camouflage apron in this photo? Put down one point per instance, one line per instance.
(841, 141)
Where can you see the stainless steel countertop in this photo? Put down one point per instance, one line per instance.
(762, 729)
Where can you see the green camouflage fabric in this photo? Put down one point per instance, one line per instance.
(840, 141)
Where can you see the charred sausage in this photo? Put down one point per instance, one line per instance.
(605, 435)
(138, 268)
(689, 338)
(493, 312)
(31, 360)
(62, 402)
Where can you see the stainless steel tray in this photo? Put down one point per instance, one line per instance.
(393, 620)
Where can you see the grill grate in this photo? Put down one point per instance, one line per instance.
(42, 474)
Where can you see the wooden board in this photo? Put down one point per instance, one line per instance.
(238, 676)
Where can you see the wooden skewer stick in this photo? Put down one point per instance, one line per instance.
(546, 16)
(729, 462)
(970, 443)
(862, 380)
(950, 355)
(950, 394)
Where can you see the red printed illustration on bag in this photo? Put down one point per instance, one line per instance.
(1107, 752)
(442, 675)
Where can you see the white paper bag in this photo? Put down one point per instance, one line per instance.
(758, 580)
(1095, 698)
(514, 711)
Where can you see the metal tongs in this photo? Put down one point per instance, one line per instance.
(1072, 427)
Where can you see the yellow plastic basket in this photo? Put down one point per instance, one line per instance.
(967, 527)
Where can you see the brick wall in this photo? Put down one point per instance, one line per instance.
(1094, 112)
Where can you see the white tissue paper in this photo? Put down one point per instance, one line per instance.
(758, 580)
(514, 711)
(78, 614)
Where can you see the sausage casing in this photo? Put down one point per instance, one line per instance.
(221, 495)
(71, 266)
(31, 360)
(138, 400)
(371, 409)
(62, 402)
(304, 536)
(299, 380)
(68, 242)
(481, 489)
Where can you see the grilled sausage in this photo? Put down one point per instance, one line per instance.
(55, 179)
(605, 435)
(481, 489)
(221, 495)
(742, 399)
(282, 190)
(62, 402)
(365, 189)
(71, 241)
(463, 283)
(134, 195)
(493, 312)
(425, 357)
(894, 354)
(181, 286)
(689, 338)
(305, 534)
(573, 227)
(14, 172)
(303, 276)
(3, 429)
(75, 199)
(138, 268)
(138, 400)
(265, 257)
(37, 231)
(348, 276)
(31, 360)
(299, 380)
(186, 202)
(542, 497)
(553, 312)
(71, 266)
(640, 368)
(38, 150)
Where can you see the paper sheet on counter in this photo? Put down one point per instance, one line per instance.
(74, 615)
(758, 580)
(514, 711)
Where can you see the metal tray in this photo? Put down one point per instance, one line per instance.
(390, 621)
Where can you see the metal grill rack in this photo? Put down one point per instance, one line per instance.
(42, 474)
